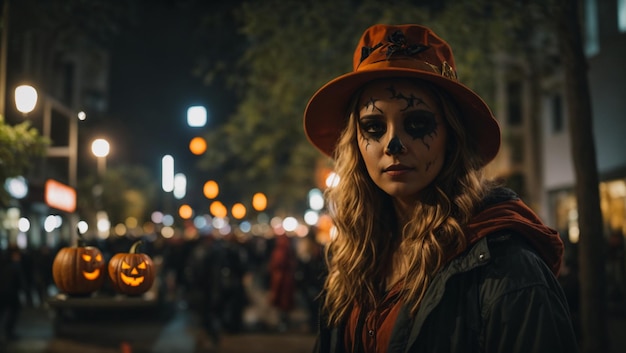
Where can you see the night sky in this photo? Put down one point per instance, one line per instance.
(152, 86)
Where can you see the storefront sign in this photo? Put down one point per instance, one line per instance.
(60, 196)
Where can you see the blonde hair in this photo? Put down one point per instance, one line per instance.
(368, 241)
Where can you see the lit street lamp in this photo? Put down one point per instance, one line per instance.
(100, 149)
(196, 116)
(25, 98)
(25, 101)
(167, 173)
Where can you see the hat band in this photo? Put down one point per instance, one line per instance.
(409, 63)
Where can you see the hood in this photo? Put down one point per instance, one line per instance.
(503, 210)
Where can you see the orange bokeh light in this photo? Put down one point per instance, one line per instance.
(238, 211)
(211, 189)
(218, 209)
(197, 145)
(259, 201)
(185, 211)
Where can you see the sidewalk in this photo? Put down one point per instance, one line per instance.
(171, 328)
(178, 335)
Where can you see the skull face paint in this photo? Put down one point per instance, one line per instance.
(401, 136)
(395, 146)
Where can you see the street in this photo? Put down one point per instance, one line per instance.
(179, 334)
(170, 328)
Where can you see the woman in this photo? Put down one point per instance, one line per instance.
(430, 256)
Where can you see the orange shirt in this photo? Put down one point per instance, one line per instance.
(377, 324)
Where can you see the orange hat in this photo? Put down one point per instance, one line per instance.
(386, 51)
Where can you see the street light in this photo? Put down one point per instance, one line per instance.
(25, 98)
(196, 116)
(180, 186)
(167, 173)
(100, 149)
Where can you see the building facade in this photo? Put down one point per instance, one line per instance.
(604, 27)
(70, 73)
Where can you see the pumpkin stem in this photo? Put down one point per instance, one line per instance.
(133, 249)
(80, 241)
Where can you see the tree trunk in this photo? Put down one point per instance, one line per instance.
(592, 243)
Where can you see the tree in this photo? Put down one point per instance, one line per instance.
(126, 191)
(592, 243)
(285, 50)
(291, 48)
(19, 146)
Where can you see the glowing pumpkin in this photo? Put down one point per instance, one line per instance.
(131, 273)
(78, 270)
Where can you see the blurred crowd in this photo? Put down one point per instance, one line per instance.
(216, 277)
(220, 277)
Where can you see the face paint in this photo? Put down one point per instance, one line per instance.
(395, 146)
(401, 136)
(421, 124)
(410, 100)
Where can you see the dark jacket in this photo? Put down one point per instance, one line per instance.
(497, 296)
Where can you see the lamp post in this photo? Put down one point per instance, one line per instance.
(25, 101)
(101, 148)
(25, 98)
(71, 150)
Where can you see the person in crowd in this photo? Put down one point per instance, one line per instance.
(216, 295)
(43, 272)
(282, 269)
(12, 283)
(310, 274)
(429, 255)
(231, 266)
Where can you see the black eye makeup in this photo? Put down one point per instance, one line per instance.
(420, 123)
(372, 128)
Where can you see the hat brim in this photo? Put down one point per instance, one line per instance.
(326, 113)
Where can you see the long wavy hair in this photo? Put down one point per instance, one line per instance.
(369, 244)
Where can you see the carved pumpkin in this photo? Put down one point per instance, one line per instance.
(78, 270)
(131, 273)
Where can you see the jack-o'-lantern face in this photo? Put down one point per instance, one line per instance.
(92, 263)
(78, 270)
(133, 275)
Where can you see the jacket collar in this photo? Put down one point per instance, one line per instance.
(478, 255)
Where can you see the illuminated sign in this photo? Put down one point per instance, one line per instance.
(60, 196)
